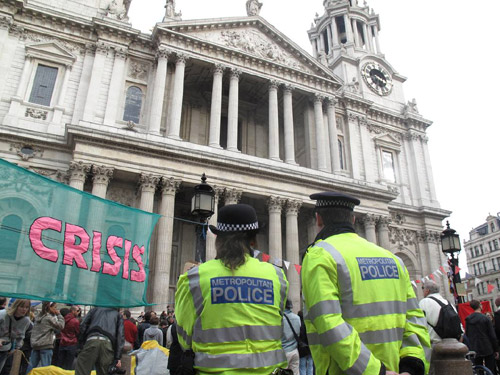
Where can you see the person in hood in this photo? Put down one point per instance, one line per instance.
(69, 339)
(482, 338)
(43, 335)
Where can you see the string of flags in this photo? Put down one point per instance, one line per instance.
(276, 261)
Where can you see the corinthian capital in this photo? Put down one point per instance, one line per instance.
(292, 206)
(78, 170)
(170, 185)
(275, 204)
(148, 182)
(232, 196)
(102, 174)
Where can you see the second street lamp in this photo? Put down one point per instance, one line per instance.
(202, 205)
(450, 245)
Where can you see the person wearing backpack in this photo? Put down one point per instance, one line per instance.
(481, 334)
(442, 318)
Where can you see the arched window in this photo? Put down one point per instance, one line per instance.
(10, 233)
(133, 104)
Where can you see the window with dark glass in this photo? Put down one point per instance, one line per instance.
(341, 154)
(481, 248)
(10, 233)
(133, 104)
(43, 85)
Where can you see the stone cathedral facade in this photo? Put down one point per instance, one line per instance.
(138, 118)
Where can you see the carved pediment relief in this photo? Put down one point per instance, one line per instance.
(254, 41)
(50, 51)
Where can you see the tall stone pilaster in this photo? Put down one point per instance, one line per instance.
(232, 114)
(178, 95)
(158, 91)
(116, 86)
(274, 142)
(211, 251)
(320, 132)
(334, 139)
(102, 50)
(288, 123)
(216, 107)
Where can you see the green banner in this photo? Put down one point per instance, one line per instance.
(61, 244)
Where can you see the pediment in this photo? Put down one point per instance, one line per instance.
(50, 51)
(255, 37)
(388, 141)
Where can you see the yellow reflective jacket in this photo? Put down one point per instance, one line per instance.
(232, 319)
(361, 308)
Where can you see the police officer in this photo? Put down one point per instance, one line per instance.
(362, 314)
(229, 310)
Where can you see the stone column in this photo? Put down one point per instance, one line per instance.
(321, 42)
(383, 232)
(232, 196)
(101, 178)
(288, 123)
(83, 86)
(275, 205)
(158, 91)
(332, 128)
(178, 94)
(95, 81)
(292, 250)
(161, 281)
(354, 145)
(216, 109)
(274, 142)
(365, 36)
(77, 174)
(419, 190)
(329, 37)
(335, 34)
(428, 169)
(211, 251)
(357, 42)
(370, 221)
(116, 86)
(232, 114)
(370, 39)
(377, 43)
(147, 187)
(320, 132)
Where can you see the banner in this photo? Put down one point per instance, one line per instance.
(64, 245)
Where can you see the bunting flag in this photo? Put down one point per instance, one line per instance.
(414, 283)
(457, 270)
(442, 269)
(491, 288)
(418, 281)
(439, 273)
(287, 264)
(468, 276)
(256, 253)
(432, 277)
(265, 257)
(68, 246)
(478, 280)
(298, 268)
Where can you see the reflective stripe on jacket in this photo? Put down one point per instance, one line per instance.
(232, 319)
(361, 308)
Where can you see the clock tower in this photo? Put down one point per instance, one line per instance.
(346, 39)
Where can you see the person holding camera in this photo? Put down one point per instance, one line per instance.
(43, 335)
(102, 338)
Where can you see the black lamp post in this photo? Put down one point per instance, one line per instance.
(450, 244)
(202, 205)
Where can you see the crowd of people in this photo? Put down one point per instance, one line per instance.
(233, 315)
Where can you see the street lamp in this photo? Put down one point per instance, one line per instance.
(202, 205)
(450, 244)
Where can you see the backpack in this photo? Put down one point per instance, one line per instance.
(448, 325)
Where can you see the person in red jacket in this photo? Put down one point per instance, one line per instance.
(69, 339)
(130, 330)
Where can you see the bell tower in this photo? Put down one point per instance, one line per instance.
(346, 39)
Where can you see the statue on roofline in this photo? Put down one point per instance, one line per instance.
(253, 7)
(170, 13)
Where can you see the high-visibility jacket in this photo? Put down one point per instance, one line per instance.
(361, 308)
(232, 319)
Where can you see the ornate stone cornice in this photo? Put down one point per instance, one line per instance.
(292, 206)
(170, 185)
(148, 182)
(102, 48)
(102, 174)
(275, 204)
(377, 129)
(78, 170)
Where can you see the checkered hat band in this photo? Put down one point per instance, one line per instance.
(334, 203)
(237, 227)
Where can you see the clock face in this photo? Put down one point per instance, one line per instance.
(377, 78)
